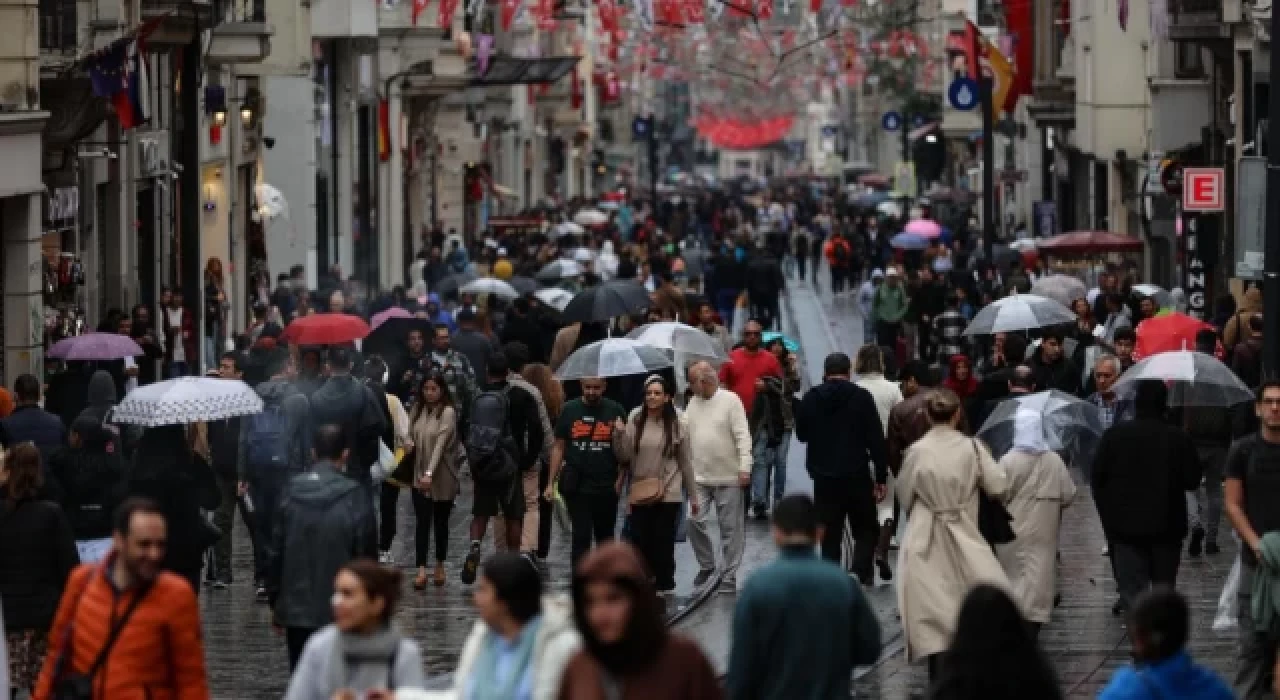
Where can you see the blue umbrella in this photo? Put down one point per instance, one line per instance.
(909, 241)
(789, 344)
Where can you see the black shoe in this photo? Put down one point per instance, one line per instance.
(1212, 548)
(761, 512)
(1197, 539)
(702, 577)
(885, 572)
(471, 564)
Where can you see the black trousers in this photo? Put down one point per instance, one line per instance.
(594, 518)
(887, 334)
(1139, 566)
(428, 513)
(388, 498)
(848, 500)
(295, 638)
(266, 491)
(802, 261)
(653, 532)
(838, 277)
(546, 511)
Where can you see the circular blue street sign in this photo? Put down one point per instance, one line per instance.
(917, 121)
(891, 121)
(640, 127)
(963, 94)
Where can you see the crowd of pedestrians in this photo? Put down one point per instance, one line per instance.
(108, 532)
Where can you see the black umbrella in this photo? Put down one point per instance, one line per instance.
(392, 336)
(448, 287)
(524, 285)
(611, 299)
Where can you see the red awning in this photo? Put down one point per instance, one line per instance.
(1085, 242)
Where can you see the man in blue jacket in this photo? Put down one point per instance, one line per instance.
(1162, 669)
(801, 624)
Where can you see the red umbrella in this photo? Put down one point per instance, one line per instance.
(1086, 242)
(325, 329)
(1167, 333)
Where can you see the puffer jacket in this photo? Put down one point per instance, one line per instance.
(325, 520)
(92, 477)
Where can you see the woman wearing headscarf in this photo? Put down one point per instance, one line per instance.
(942, 553)
(169, 469)
(523, 641)
(960, 377)
(628, 652)
(1040, 489)
(654, 443)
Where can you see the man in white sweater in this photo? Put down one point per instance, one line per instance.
(720, 447)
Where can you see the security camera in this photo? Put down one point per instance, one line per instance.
(177, 167)
(269, 142)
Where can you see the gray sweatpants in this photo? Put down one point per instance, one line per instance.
(728, 502)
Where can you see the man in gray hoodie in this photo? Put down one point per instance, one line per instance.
(275, 446)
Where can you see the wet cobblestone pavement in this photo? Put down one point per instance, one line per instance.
(246, 660)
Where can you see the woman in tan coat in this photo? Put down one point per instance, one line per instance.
(433, 432)
(943, 555)
(654, 444)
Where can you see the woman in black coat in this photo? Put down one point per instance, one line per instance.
(37, 554)
(91, 472)
(167, 470)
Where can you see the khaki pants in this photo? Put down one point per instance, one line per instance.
(529, 526)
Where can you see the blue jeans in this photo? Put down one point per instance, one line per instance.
(768, 461)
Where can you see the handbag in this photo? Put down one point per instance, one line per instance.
(384, 464)
(644, 492)
(79, 686)
(993, 518)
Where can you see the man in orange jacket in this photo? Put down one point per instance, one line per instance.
(133, 629)
(840, 257)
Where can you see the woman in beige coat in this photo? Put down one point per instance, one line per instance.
(1040, 488)
(654, 444)
(942, 555)
(433, 432)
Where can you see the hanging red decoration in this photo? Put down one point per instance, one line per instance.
(446, 10)
(575, 91)
(509, 10)
(419, 6)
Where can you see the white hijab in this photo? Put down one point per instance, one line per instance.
(1028, 432)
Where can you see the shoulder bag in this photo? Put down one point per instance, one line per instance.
(993, 518)
(79, 686)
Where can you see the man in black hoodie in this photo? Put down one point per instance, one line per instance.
(839, 422)
(224, 455)
(348, 402)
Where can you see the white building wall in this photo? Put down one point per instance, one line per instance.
(290, 166)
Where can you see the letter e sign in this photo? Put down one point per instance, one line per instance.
(1202, 189)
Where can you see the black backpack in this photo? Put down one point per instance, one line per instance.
(490, 446)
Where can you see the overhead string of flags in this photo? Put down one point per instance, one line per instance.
(118, 74)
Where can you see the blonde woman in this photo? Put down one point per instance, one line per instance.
(433, 431)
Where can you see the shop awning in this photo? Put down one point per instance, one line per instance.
(508, 70)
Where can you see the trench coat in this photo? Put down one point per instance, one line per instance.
(942, 554)
(1040, 488)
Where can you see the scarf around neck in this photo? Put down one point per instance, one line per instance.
(352, 651)
(485, 683)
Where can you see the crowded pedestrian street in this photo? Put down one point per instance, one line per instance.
(639, 349)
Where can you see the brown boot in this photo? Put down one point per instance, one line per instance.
(439, 577)
(420, 581)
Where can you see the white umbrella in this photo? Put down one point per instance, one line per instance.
(590, 217)
(1194, 378)
(567, 228)
(271, 202)
(554, 297)
(1018, 313)
(679, 337)
(187, 400)
(1160, 295)
(890, 208)
(1063, 289)
(560, 269)
(583, 255)
(613, 357)
(490, 285)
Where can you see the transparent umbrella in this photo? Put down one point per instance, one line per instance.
(1063, 289)
(490, 285)
(613, 357)
(1019, 313)
(1071, 426)
(681, 338)
(1194, 379)
(1160, 295)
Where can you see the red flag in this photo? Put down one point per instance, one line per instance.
(608, 15)
(575, 91)
(764, 9)
(509, 10)
(815, 6)
(419, 6)
(447, 8)
(1018, 21)
(695, 11)
(384, 131)
(972, 50)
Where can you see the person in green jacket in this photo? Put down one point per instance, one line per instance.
(801, 624)
(888, 307)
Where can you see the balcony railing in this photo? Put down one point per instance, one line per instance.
(1195, 11)
(58, 25)
(232, 11)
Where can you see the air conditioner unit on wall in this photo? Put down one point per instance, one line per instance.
(153, 156)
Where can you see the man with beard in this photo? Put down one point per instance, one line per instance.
(707, 322)
(749, 364)
(161, 651)
(411, 368)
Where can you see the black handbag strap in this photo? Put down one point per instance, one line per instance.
(117, 628)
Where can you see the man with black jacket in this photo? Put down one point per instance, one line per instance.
(506, 498)
(224, 456)
(1141, 473)
(839, 422)
(325, 520)
(349, 403)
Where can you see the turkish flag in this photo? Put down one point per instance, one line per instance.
(419, 6)
(447, 8)
(509, 10)
(764, 9)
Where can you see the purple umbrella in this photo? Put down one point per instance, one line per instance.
(95, 346)
(383, 316)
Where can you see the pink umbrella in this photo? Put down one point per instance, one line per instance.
(925, 228)
(95, 346)
(383, 316)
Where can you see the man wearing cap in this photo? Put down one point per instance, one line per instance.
(888, 307)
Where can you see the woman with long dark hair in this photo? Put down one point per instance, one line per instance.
(654, 443)
(628, 652)
(433, 432)
(993, 655)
